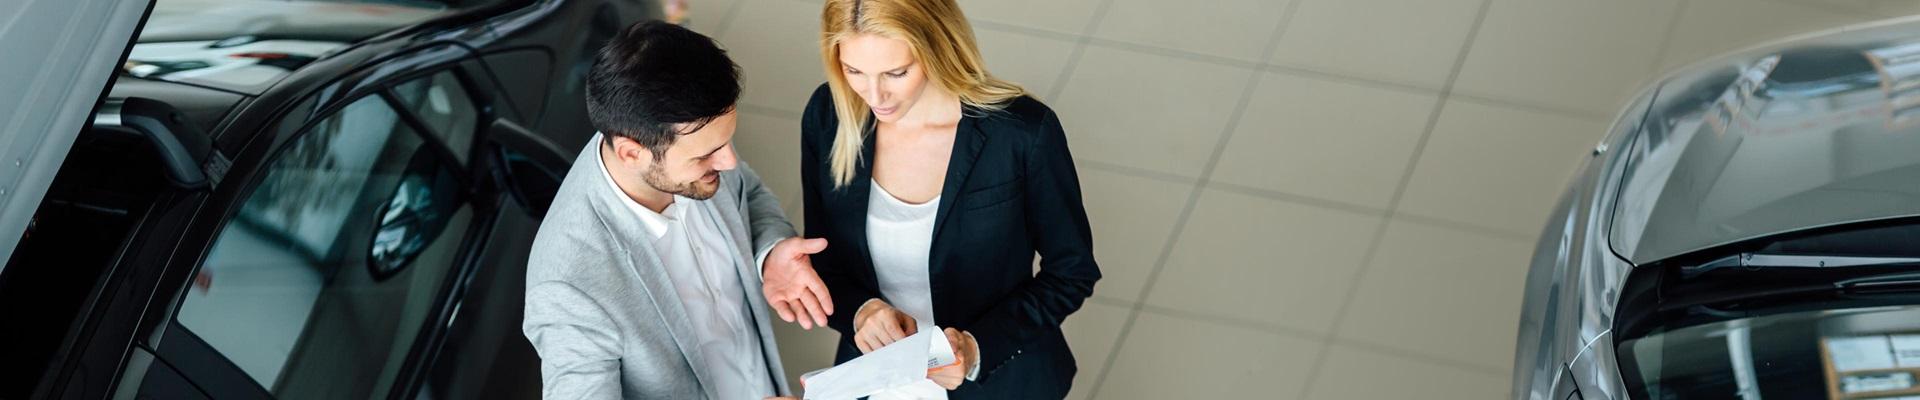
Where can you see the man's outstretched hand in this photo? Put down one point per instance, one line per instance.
(792, 287)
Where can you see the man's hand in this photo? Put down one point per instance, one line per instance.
(790, 284)
(965, 353)
(878, 324)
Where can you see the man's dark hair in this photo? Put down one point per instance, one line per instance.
(654, 75)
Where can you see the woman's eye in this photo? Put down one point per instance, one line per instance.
(852, 72)
(897, 74)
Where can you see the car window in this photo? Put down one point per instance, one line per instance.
(321, 282)
(1848, 353)
(444, 107)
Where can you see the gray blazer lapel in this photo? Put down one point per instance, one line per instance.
(727, 210)
(637, 243)
(730, 211)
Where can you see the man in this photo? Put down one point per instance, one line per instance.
(643, 280)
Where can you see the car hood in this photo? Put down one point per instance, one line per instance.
(63, 54)
(1815, 131)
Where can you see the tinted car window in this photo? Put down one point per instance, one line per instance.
(444, 107)
(320, 284)
(1824, 313)
(1855, 353)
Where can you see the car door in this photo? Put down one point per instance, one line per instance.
(336, 272)
(321, 279)
(78, 44)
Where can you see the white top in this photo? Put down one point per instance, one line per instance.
(900, 240)
(696, 256)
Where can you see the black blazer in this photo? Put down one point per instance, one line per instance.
(1011, 190)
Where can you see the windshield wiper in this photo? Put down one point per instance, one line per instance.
(1886, 283)
(1761, 260)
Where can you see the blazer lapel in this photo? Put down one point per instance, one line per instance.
(854, 199)
(638, 244)
(729, 209)
(733, 226)
(967, 141)
(661, 290)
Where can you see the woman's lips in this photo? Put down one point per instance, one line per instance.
(885, 111)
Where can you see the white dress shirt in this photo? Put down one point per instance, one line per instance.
(699, 262)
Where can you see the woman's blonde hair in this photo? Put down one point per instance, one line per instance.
(942, 42)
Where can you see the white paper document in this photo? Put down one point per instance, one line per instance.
(897, 371)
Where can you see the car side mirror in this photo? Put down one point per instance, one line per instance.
(414, 215)
(531, 167)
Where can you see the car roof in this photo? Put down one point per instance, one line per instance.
(246, 46)
(1815, 131)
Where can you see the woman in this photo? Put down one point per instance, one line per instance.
(937, 183)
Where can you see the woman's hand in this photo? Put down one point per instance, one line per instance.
(878, 324)
(965, 351)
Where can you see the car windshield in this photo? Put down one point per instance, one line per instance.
(1828, 313)
(246, 46)
(1857, 353)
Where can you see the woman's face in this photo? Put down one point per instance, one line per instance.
(885, 74)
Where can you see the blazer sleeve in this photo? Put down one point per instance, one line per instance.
(817, 128)
(1057, 222)
(578, 344)
(764, 216)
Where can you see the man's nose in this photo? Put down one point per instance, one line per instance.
(726, 160)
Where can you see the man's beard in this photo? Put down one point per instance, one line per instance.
(697, 190)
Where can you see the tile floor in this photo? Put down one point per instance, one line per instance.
(1296, 199)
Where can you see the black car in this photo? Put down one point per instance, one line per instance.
(290, 199)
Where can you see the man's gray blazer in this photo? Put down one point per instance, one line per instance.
(602, 314)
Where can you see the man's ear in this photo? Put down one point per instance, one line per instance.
(631, 152)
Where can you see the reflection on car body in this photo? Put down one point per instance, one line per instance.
(305, 199)
(1747, 217)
